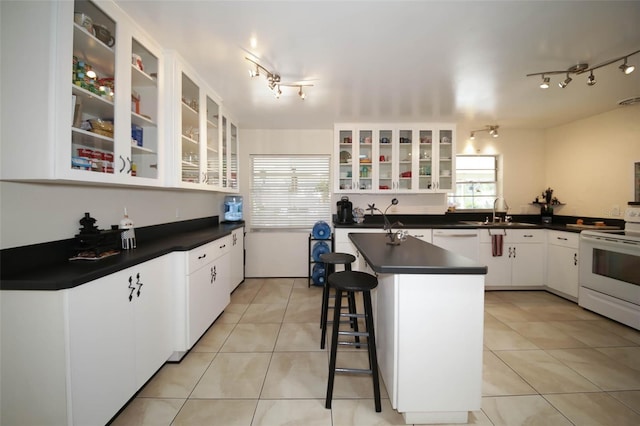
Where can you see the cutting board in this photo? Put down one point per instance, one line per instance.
(577, 226)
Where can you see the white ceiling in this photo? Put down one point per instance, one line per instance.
(394, 61)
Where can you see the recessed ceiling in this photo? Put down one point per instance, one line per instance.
(394, 61)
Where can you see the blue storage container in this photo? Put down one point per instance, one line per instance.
(319, 248)
(321, 230)
(318, 274)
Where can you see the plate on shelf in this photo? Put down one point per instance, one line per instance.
(345, 156)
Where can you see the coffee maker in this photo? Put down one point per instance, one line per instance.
(345, 211)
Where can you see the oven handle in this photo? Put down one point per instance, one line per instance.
(608, 241)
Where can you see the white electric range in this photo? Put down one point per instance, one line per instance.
(609, 272)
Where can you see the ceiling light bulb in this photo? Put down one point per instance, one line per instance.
(301, 94)
(472, 136)
(564, 83)
(627, 69)
(591, 80)
(277, 92)
(495, 133)
(545, 82)
(255, 73)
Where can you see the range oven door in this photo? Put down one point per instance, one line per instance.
(610, 266)
(609, 277)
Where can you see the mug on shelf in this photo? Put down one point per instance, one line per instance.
(104, 35)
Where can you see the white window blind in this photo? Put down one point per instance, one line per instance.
(289, 191)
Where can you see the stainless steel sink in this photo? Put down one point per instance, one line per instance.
(495, 224)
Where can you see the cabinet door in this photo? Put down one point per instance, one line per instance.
(364, 161)
(237, 258)
(344, 154)
(142, 148)
(220, 278)
(445, 159)
(527, 264)
(385, 160)
(562, 269)
(200, 301)
(425, 161)
(213, 148)
(405, 161)
(101, 347)
(190, 136)
(153, 322)
(499, 268)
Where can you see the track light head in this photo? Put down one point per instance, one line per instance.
(564, 83)
(255, 73)
(493, 131)
(545, 82)
(591, 80)
(472, 136)
(301, 93)
(277, 92)
(627, 69)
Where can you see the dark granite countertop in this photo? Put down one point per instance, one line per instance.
(62, 274)
(413, 256)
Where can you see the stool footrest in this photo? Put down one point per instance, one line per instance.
(357, 344)
(353, 370)
(353, 315)
(353, 333)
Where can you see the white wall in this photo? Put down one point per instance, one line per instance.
(32, 213)
(589, 163)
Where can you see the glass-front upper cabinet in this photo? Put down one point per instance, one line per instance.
(93, 86)
(364, 161)
(145, 142)
(229, 154)
(425, 160)
(213, 143)
(446, 159)
(386, 160)
(345, 154)
(190, 131)
(405, 160)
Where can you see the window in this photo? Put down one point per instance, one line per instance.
(289, 191)
(476, 182)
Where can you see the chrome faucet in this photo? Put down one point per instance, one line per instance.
(495, 202)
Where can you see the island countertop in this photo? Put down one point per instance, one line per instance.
(413, 256)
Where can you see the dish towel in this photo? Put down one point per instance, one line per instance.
(496, 245)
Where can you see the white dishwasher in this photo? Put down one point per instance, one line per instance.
(464, 242)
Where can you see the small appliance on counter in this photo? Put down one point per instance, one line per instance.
(233, 208)
(127, 232)
(345, 211)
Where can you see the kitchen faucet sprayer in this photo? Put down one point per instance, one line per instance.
(395, 237)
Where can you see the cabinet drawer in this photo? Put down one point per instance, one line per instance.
(202, 255)
(514, 235)
(564, 239)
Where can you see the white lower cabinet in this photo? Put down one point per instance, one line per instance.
(344, 244)
(118, 338)
(562, 262)
(522, 261)
(237, 258)
(203, 295)
(76, 356)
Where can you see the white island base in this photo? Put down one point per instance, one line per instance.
(429, 335)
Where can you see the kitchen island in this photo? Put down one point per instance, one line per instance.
(428, 315)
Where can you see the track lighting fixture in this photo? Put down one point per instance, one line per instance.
(627, 69)
(493, 131)
(274, 81)
(545, 82)
(582, 68)
(564, 83)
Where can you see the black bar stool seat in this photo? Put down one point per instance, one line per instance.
(330, 261)
(353, 282)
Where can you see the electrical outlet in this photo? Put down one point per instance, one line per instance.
(615, 210)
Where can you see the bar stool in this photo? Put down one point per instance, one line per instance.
(352, 282)
(330, 261)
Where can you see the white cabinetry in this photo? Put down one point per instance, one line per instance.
(344, 244)
(62, 95)
(98, 342)
(197, 128)
(203, 295)
(562, 263)
(522, 262)
(374, 158)
(237, 258)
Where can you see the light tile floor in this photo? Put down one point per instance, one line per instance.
(546, 362)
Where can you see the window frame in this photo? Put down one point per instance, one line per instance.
(454, 198)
